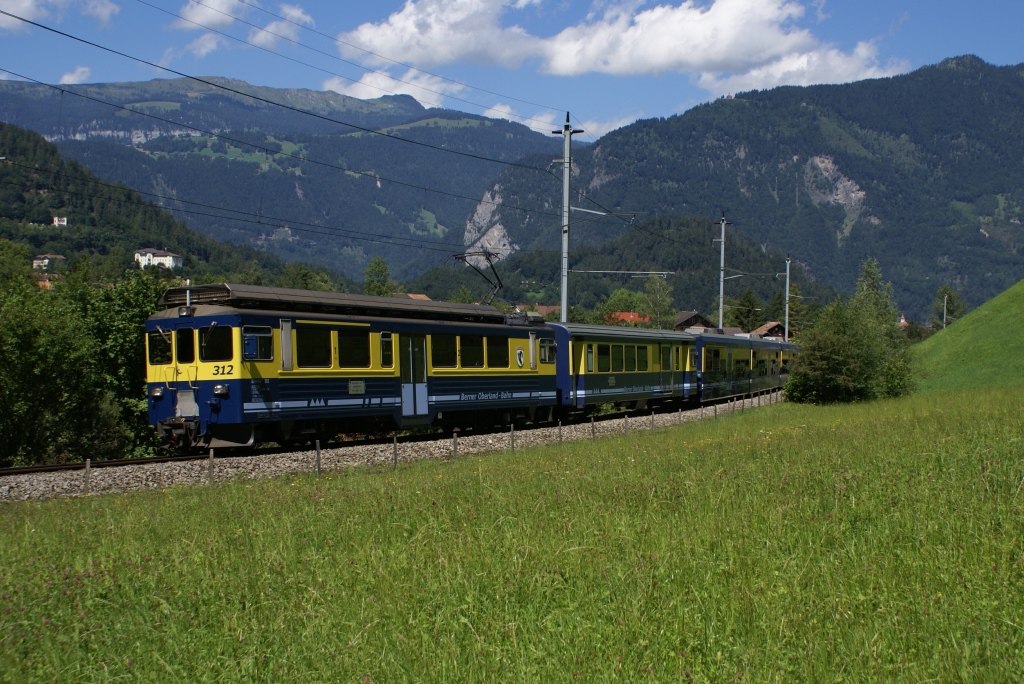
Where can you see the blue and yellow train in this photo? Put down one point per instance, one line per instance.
(231, 365)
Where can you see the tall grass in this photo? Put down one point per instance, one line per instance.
(983, 349)
(879, 541)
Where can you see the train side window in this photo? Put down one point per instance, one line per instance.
(497, 352)
(604, 358)
(630, 358)
(693, 358)
(471, 351)
(444, 351)
(353, 348)
(547, 351)
(387, 350)
(641, 359)
(313, 347)
(616, 358)
(159, 347)
(590, 358)
(185, 345)
(216, 343)
(261, 348)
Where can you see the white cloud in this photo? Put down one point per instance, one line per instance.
(428, 90)
(203, 45)
(732, 44)
(198, 48)
(268, 36)
(101, 9)
(502, 111)
(728, 35)
(29, 9)
(432, 32)
(824, 65)
(595, 129)
(35, 10)
(81, 74)
(211, 14)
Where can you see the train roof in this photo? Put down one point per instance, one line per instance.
(756, 341)
(585, 330)
(284, 299)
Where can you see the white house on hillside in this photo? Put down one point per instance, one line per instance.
(44, 262)
(157, 257)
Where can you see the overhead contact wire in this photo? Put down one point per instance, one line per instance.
(271, 152)
(325, 54)
(264, 100)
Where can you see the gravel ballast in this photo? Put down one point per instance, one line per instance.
(100, 480)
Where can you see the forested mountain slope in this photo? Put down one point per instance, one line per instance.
(923, 171)
(103, 220)
(303, 187)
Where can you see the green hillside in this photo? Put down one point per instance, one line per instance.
(983, 349)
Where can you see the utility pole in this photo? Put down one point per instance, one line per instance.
(785, 336)
(944, 298)
(566, 133)
(721, 274)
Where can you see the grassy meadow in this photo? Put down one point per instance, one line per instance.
(983, 349)
(791, 543)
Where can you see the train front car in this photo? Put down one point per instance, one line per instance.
(229, 365)
(194, 375)
(628, 367)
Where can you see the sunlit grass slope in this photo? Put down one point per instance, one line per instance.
(874, 542)
(983, 349)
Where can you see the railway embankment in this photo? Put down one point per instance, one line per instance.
(102, 479)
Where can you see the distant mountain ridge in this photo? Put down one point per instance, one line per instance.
(303, 187)
(924, 171)
(66, 116)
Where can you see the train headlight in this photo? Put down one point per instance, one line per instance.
(220, 390)
(156, 392)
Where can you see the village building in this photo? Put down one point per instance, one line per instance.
(48, 262)
(691, 319)
(157, 257)
(770, 329)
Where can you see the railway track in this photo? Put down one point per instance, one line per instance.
(160, 472)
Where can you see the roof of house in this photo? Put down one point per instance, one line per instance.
(50, 256)
(628, 317)
(156, 252)
(688, 319)
(764, 330)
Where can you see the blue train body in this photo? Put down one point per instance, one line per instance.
(229, 365)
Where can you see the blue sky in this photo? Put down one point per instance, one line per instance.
(608, 62)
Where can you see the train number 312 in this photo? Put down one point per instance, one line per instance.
(224, 370)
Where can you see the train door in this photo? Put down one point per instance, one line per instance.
(186, 372)
(579, 349)
(665, 380)
(413, 359)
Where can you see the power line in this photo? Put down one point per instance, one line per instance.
(271, 152)
(285, 223)
(388, 59)
(268, 101)
(330, 56)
